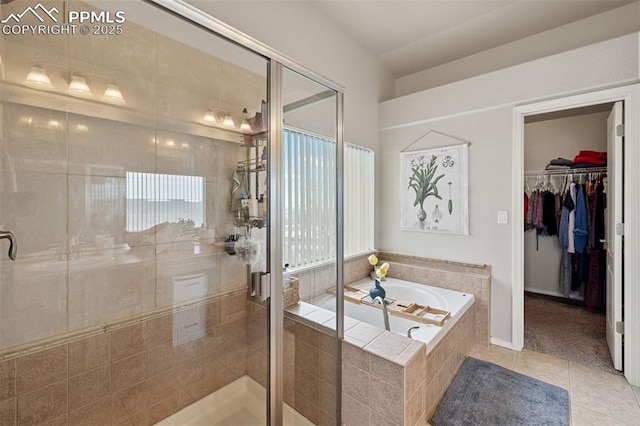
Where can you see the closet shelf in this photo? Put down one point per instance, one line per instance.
(583, 170)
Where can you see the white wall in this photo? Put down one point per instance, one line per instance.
(299, 31)
(480, 110)
(563, 137)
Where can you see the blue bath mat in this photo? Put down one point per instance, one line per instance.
(486, 394)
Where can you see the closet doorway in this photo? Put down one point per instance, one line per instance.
(572, 254)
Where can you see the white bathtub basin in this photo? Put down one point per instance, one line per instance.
(457, 303)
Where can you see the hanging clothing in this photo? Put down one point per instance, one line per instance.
(549, 213)
(537, 211)
(572, 218)
(529, 217)
(580, 225)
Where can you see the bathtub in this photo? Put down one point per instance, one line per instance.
(457, 303)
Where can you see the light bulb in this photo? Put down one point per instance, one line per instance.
(38, 79)
(113, 95)
(78, 87)
(228, 121)
(245, 126)
(209, 116)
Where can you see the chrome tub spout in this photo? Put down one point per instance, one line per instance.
(385, 313)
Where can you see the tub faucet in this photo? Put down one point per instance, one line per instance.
(410, 330)
(385, 313)
(13, 246)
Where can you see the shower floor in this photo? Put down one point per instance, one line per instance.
(239, 403)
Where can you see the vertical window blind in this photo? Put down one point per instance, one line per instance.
(157, 198)
(310, 198)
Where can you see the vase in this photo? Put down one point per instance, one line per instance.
(422, 215)
(377, 290)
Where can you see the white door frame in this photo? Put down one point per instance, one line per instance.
(631, 96)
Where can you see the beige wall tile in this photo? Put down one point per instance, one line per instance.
(8, 412)
(415, 373)
(326, 398)
(58, 421)
(7, 380)
(161, 358)
(307, 358)
(89, 387)
(163, 409)
(109, 150)
(388, 371)
(41, 369)
(128, 371)
(118, 410)
(236, 356)
(386, 400)
(306, 385)
(191, 349)
(40, 311)
(96, 413)
(233, 274)
(354, 412)
(416, 406)
(43, 404)
(307, 408)
(190, 371)
(112, 292)
(160, 330)
(388, 345)
(356, 383)
(363, 333)
(355, 356)
(216, 375)
(89, 353)
(327, 365)
(128, 341)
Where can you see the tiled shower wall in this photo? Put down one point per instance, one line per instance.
(134, 375)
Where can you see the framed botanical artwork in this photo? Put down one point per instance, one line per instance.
(434, 190)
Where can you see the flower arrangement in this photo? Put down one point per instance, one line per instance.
(379, 271)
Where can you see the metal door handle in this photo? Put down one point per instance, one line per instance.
(13, 245)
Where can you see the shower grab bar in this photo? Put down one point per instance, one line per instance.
(13, 245)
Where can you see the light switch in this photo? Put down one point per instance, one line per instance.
(503, 217)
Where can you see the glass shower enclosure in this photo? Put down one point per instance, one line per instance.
(142, 175)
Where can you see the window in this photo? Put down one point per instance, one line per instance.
(157, 198)
(310, 182)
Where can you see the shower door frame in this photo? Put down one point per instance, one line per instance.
(277, 63)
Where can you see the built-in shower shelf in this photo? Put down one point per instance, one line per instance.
(400, 308)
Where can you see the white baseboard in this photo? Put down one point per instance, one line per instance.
(502, 343)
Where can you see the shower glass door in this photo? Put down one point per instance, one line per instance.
(133, 176)
(311, 155)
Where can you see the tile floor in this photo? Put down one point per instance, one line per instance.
(241, 403)
(595, 396)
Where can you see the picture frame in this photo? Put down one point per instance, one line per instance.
(434, 190)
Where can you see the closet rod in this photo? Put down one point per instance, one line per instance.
(579, 171)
